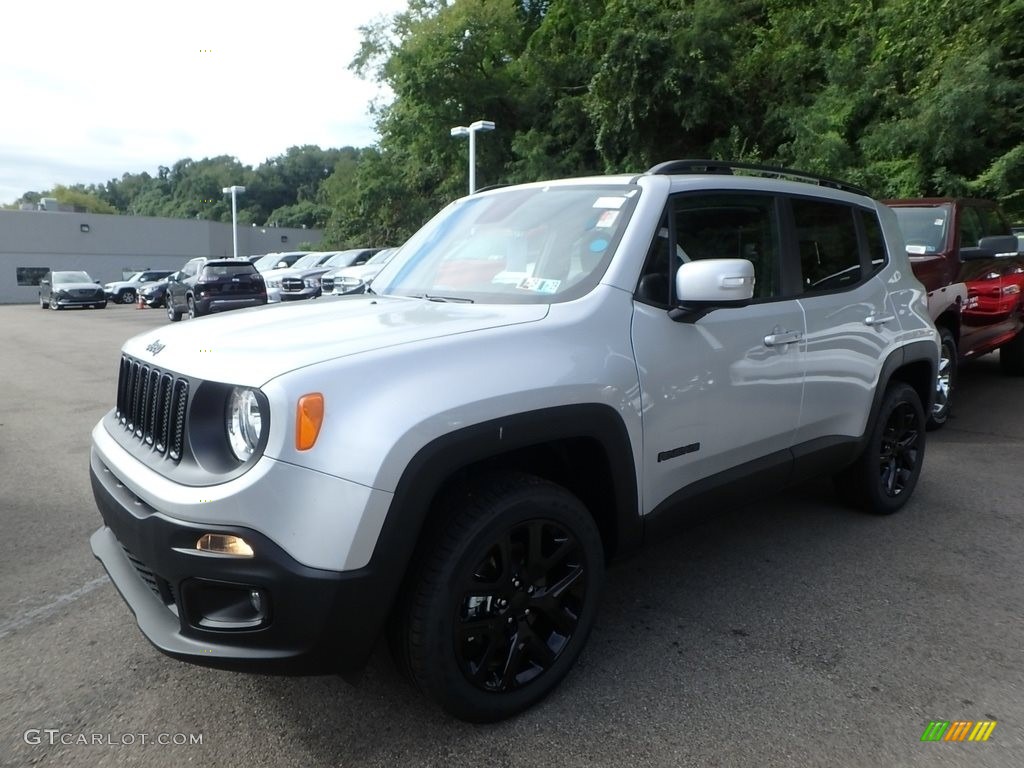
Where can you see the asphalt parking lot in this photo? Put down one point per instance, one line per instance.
(792, 632)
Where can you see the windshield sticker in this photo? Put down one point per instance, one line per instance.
(598, 245)
(539, 284)
(609, 202)
(607, 219)
(939, 222)
(917, 249)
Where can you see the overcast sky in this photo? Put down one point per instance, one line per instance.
(91, 90)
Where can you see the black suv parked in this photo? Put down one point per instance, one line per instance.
(204, 286)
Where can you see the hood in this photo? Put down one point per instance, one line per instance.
(251, 346)
(362, 271)
(76, 287)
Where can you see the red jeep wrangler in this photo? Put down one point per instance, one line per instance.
(967, 257)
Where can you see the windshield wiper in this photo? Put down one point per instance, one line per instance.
(455, 299)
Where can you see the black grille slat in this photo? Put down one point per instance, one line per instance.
(136, 395)
(144, 401)
(162, 412)
(179, 402)
(152, 405)
(129, 396)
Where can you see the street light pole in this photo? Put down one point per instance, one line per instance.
(234, 190)
(471, 131)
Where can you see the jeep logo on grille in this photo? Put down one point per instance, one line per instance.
(155, 347)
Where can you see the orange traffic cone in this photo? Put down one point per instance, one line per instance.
(140, 304)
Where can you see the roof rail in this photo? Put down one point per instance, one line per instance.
(728, 167)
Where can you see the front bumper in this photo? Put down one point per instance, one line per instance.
(78, 301)
(208, 305)
(313, 620)
(305, 293)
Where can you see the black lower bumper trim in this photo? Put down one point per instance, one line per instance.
(317, 619)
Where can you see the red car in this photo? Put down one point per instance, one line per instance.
(966, 255)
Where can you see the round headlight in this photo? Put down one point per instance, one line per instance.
(244, 422)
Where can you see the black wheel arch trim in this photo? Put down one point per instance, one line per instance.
(436, 462)
(912, 353)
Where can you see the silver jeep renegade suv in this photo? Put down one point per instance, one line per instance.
(545, 376)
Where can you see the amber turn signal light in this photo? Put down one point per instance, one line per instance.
(309, 416)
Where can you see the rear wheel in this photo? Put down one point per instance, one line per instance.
(1011, 355)
(886, 473)
(945, 380)
(128, 297)
(502, 600)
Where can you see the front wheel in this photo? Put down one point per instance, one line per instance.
(945, 380)
(128, 297)
(193, 313)
(884, 476)
(53, 303)
(501, 603)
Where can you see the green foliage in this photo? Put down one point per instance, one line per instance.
(904, 97)
(81, 199)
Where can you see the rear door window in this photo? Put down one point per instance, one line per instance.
(826, 236)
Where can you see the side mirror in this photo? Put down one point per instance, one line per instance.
(991, 248)
(702, 286)
(44, 282)
(281, 265)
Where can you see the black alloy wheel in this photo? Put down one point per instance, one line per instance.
(898, 458)
(519, 606)
(501, 596)
(885, 474)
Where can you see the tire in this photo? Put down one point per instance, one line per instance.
(884, 476)
(1011, 355)
(53, 304)
(476, 628)
(945, 381)
(192, 313)
(172, 314)
(127, 297)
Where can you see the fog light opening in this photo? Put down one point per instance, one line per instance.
(224, 544)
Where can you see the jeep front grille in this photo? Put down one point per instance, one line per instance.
(152, 405)
(291, 284)
(327, 284)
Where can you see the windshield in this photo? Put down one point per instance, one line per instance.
(271, 260)
(383, 257)
(71, 277)
(309, 260)
(529, 245)
(923, 228)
